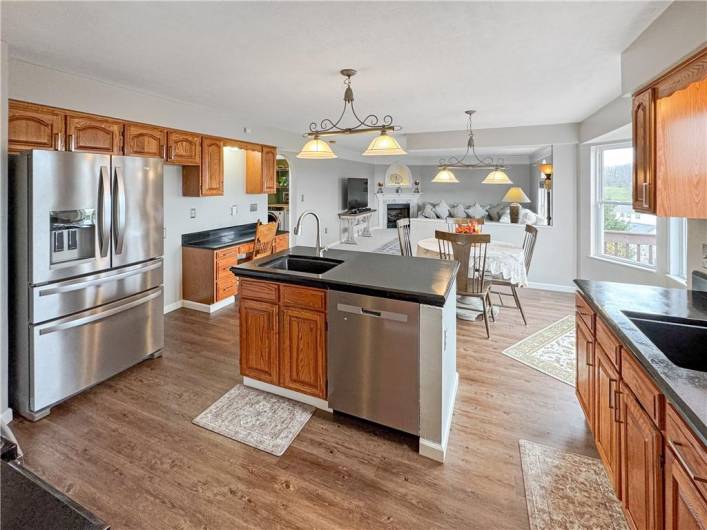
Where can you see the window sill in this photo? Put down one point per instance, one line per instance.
(677, 279)
(624, 264)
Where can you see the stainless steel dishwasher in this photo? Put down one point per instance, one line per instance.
(374, 359)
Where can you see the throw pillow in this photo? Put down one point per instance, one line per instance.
(477, 211)
(496, 210)
(428, 211)
(441, 209)
(505, 215)
(528, 217)
(457, 210)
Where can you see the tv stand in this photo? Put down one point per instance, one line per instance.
(350, 219)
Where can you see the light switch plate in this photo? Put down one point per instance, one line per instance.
(192, 213)
(254, 207)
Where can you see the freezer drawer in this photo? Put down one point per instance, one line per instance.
(74, 353)
(59, 299)
(374, 360)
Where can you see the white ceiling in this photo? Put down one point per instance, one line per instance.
(276, 63)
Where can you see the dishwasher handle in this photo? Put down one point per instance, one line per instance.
(358, 310)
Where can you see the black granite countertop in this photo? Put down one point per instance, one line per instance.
(222, 237)
(421, 280)
(685, 389)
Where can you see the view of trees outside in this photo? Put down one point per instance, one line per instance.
(627, 234)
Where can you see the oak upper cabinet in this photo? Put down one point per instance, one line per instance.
(643, 119)
(144, 140)
(206, 179)
(183, 148)
(34, 127)
(259, 338)
(641, 470)
(93, 134)
(606, 426)
(260, 170)
(585, 370)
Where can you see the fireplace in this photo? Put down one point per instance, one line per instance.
(396, 211)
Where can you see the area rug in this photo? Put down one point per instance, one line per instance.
(391, 247)
(260, 419)
(550, 350)
(566, 491)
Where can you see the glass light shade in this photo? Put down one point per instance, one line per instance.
(384, 145)
(545, 169)
(497, 176)
(316, 149)
(445, 176)
(515, 194)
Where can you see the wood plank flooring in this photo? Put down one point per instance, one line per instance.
(128, 451)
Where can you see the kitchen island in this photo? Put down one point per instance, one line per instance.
(371, 335)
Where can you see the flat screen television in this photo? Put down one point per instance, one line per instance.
(356, 193)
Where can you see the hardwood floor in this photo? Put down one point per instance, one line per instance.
(128, 451)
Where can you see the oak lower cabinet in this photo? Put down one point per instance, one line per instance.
(606, 420)
(584, 387)
(293, 355)
(34, 127)
(641, 465)
(685, 508)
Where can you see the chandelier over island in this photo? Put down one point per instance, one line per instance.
(446, 176)
(382, 145)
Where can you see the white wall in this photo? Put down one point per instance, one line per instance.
(4, 410)
(211, 212)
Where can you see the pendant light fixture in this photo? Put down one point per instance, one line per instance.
(445, 175)
(382, 145)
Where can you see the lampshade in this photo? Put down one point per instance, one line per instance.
(515, 194)
(497, 176)
(316, 149)
(384, 145)
(545, 168)
(445, 176)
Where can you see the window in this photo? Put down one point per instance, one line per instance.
(621, 234)
(678, 247)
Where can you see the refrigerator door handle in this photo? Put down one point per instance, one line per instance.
(118, 210)
(82, 321)
(76, 286)
(104, 212)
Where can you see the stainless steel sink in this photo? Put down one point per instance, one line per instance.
(306, 264)
(682, 341)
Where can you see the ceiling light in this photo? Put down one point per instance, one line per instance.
(497, 176)
(382, 145)
(445, 176)
(545, 169)
(316, 149)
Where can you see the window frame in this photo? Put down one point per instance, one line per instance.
(677, 248)
(597, 212)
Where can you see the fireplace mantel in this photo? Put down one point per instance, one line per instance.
(384, 199)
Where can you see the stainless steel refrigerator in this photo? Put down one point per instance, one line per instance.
(86, 246)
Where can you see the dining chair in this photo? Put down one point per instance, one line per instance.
(264, 243)
(529, 239)
(403, 226)
(470, 251)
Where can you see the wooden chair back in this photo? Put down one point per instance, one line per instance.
(403, 226)
(264, 243)
(470, 251)
(529, 239)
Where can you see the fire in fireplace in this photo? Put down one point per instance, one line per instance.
(395, 212)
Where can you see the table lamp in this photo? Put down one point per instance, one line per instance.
(515, 196)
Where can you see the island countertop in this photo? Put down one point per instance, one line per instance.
(422, 280)
(685, 389)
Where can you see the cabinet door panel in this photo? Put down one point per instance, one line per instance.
(183, 148)
(685, 508)
(94, 135)
(606, 428)
(254, 171)
(268, 169)
(641, 476)
(585, 371)
(143, 140)
(258, 323)
(643, 120)
(302, 351)
(34, 127)
(212, 166)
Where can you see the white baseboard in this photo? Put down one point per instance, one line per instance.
(208, 308)
(172, 307)
(552, 287)
(285, 392)
(438, 451)
(6, 416)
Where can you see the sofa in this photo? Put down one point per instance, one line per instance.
(499, 213)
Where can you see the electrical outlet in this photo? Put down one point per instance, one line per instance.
(234, 210)
(254, 207)
(326, 230)
(192, 213)
(301, 198)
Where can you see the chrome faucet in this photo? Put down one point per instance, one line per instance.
(298, 228)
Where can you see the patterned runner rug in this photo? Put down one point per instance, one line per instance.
(260, 419)
(565, 491)
(550, 350)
